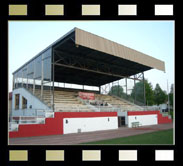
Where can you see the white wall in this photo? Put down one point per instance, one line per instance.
(31, 101)
(89, 124)
(143, 120)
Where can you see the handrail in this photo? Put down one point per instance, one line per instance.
(29, 113)
(131, 102)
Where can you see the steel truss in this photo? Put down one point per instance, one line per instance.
(81, 64)
(68, 60)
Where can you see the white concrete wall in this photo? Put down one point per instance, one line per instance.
(31, 101)
(144, 120)
(89, 124)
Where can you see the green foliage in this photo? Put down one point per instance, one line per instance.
(153, 97)
(172, 88)
(171, 98)
(171, 113)
(171, 95)
(138, 91)
(117, 90)
(149, 93)
(158, 137)
(160, 96)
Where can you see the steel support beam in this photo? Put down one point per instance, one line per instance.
(27, 79)
(126, 87)
(118, 88)
(13, 83)
(94, 71)
(91, 60)
(144, 89)
(34, 79)
(53, 79)
(42, 75)
(134, 90)
(99, 89)
(63, 41)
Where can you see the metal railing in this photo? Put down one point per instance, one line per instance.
(38, 117)
(29, 112)
(108, 109)
(150, 108)
(98, 107)
(71, 109)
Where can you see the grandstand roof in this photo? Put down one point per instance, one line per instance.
(81, 57)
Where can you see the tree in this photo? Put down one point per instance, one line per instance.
(171, 95)
(117, 90)
(149, 93)
(160, 96)
(138, 92)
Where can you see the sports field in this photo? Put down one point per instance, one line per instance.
(158, 137)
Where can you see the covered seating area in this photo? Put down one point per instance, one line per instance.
(84, 59)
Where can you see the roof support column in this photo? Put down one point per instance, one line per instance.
(144, 89)
(22, 79)
(109, 87)
(27, 80)
(53, 78)
(112, 87)
(118, 88)
(42, 77)
(126, 87)
(34, 79)
(13, 85)
(134, 90)
(99, 89)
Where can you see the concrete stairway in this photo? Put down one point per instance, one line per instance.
(65, 101)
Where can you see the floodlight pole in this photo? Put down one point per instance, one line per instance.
(168, 98)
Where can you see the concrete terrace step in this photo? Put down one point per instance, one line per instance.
(64, 98)
(67, 105)
(61, 99)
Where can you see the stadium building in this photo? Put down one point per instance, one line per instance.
(43, 104)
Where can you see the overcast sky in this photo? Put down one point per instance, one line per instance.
(154, 38)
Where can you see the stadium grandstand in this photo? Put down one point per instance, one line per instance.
(81, 59)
